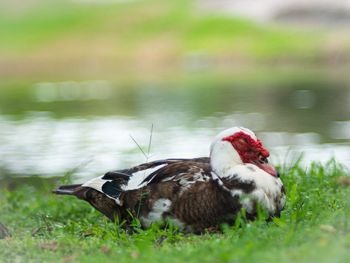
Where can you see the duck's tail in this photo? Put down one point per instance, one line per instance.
(100, 201)
(72, 189)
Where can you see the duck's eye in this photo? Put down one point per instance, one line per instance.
(263, 159)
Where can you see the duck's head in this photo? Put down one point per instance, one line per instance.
(237, 146)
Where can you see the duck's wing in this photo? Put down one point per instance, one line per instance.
(184, 170)
(114, 183)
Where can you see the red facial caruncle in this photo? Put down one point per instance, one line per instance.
(251, 151)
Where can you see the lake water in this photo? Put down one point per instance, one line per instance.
(50, 128)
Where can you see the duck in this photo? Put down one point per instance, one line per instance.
(195, 194)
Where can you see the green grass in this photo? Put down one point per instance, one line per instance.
(127, 27)
(314, 227)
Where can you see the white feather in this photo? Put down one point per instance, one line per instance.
(186, 183)
(137, 178)
(133, 183)
(156, 214)
(268, 187)
(96, 183)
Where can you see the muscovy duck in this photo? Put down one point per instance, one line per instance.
(193, 194)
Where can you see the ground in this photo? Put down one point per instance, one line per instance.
(314, 227)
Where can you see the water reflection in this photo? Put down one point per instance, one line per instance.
(46, 146)
(340, 130)
(304, 99)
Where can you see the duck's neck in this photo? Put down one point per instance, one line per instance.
(222, 158)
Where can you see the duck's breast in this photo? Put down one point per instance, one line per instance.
(265, 189)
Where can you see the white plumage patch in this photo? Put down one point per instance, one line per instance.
(136, 179)
(156, 214)
(187, 182)
(96, 183)
(268, 188)
(134, 182)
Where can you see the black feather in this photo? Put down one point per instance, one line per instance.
(114, 175)
(112, 189)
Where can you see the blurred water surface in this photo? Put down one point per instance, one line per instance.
(50, 128)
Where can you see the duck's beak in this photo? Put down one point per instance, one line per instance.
(268, 168)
